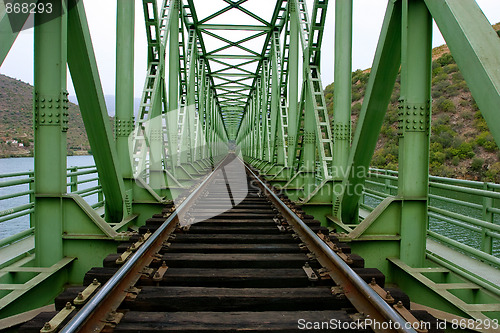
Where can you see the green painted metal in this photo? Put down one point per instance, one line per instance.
(383, 74)
(293, 82)
(343, 87)
(83, 68)
(414, 129)
(50, 126)
(124, 95)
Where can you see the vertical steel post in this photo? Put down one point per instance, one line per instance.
(293, 83)
(124, 116)
(173, 85)
(414, 126)
(275, 103)
(51, 124)
(486, 240)
(342, 100)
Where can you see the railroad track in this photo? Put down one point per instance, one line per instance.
(232, 256)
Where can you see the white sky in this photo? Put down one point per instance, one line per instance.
(101, 14)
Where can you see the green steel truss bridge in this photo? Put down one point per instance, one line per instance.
(259, 93)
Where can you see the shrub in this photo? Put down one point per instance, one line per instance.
(436, 71)
(442, 119)
(445, 105)
(493, 173)
(392, 114)
(479, 122)
(446, 59)
(464, 151)
(436, 93)
(451, 68)
(477, 164)
(443, 135)
(441, 85)
(439, 78)
(437, 156)
(356, 108)
(453, 90)
(457, 77)
(356, 96)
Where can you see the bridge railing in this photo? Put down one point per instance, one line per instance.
(17, 199)
(462, 214)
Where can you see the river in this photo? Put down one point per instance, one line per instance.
(23, 164)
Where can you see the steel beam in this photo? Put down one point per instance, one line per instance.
(343, 87)
(124, 95)
(50, 127)
(83, 68)
(377, 96)
(414, 129)
(293, 83)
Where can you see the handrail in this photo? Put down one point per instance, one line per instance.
(477, 196)
(20, 186)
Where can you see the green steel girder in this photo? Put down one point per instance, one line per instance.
(383, 75)
(83, 68)
(50, 129)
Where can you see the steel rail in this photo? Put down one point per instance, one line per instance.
(362, 296)
(109, 297)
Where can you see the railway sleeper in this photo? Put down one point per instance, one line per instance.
(232, 274)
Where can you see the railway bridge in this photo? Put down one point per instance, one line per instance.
(231, 199)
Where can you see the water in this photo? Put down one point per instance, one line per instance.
(23, 164)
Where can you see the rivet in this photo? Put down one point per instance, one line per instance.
(43, 99)
(414, 106)
(414, 127)
(421, 108)
(415, 113)
(407, 127)
(408, 113)
(42, 106)
(50, 114)
(408, 107)
(50, 120)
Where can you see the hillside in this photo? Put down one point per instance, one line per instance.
(461, 144)
(16, 121)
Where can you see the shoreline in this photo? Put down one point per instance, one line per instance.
(31, 156)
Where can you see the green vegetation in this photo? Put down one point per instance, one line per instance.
(16, 126)
(461, 143)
